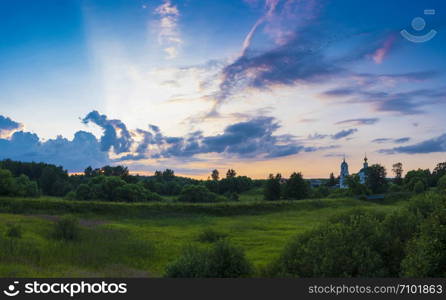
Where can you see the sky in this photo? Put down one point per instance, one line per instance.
(260, 86)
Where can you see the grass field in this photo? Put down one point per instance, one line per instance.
(139, 240)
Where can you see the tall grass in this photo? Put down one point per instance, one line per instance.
(58, 206)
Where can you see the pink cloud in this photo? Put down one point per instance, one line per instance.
(381, 53)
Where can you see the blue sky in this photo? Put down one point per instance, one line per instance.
(260, 86)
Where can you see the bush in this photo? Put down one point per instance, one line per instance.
(67, 228)
(211, 236)
(232, 196)
(191, 264)
(221, 261)
(424, 205)
(70, 195)
(349, 245)
(426, 255)
(227, 261)
(196, 193)
(13, 231)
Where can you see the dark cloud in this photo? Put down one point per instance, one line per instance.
(249, 139)
(7, 126)
(115, 133)
(389, 140)
(343, 133)
(255, 138)
(300, 59)
(405, 103)
(437, 144)
(358, 122)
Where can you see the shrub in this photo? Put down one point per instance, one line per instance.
(71, 195)
(196, 193)
(232, 196)
(227, 261)
(191, 264)
(210, 236)
(221, 261)
(67, 228)
(13, 231)
(426, 255)
(424, 205)
(348, 246)
(419, 187)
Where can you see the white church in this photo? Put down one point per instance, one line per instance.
(344, 173)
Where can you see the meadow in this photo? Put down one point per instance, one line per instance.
(141, 239)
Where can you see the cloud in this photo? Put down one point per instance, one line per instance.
(75, 155)
(358, 122)
(253, 138)
(403, 103)
(317, 136)
(337, 136)
(343, 133)
(295, 55)
(388, 140)
(8, 126)
(168, 35)
(437, 144)
(380, 53)
(116, 137)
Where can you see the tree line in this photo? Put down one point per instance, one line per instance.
(115, 183)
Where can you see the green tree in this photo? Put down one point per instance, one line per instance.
(215, 175)
(272, 189)
(397, 169)
(83, 192)
(7, 183)
(331, 180)
(376, 179)
(413, 176)
(355, 186)
(47, 180)
(168, 174)
(438, 172)
(196, 193)
(296, 187)
(26, 187)
(442, 184)
(131, 192)
(231, 173)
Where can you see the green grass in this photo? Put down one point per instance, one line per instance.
(122, 239)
